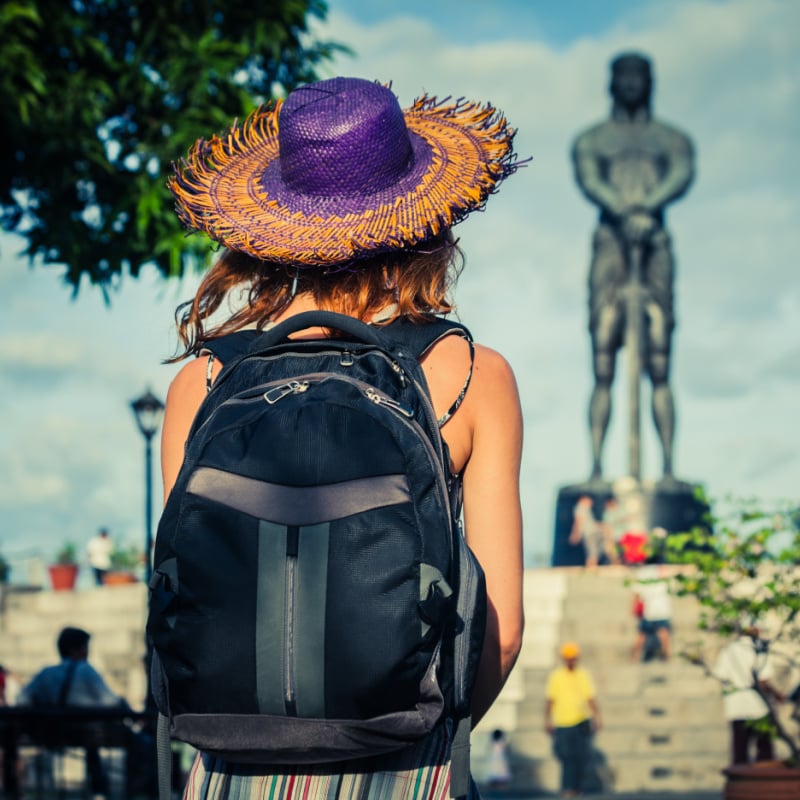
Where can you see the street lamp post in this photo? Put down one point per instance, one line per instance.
(148, 410)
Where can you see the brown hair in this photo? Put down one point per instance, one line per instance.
(418, 280)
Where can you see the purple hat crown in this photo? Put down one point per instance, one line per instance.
(343, 137)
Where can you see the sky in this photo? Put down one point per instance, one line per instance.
(726, 73)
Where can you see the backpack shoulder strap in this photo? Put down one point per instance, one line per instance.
(226, 349)
(421, 337)
(418, 337)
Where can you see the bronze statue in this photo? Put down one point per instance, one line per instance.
(632, 166)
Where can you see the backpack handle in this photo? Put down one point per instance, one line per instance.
(323, 319)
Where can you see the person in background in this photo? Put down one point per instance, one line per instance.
(739, 664)
(74, 682)
(9, 690)
(9, 687)
(98, 552)
(652, 598)
(586, 529)
(499, 772)
(572, 715)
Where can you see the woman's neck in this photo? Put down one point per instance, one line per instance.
(298, 304)
(306, 302)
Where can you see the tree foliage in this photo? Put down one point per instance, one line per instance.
(98, 97)
(744, 571)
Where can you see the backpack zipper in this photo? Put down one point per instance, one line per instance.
(221, 380)
(279, 392)
(406, 416)
(289, 688)
(382, 400)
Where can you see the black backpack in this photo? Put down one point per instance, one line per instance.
(313, 598)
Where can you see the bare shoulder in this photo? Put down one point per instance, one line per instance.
(185, 394)
(456, 348)
(447, 366)
(492, 374)
(190, 380)
(492, 362)
(189, 376)
(492, 404)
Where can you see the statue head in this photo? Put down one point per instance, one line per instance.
(631, 81)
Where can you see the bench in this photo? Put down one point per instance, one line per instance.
(56, 728)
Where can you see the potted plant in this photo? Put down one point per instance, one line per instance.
(744, 571)
(64, 572)
(124, 560)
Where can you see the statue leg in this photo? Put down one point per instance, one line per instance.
(605, 341)
(606, 275)
(658, 341)
(663, 407)
(659, 333)
(600, 413)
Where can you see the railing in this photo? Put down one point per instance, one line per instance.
(55, 729)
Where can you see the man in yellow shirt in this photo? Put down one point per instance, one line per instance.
(571, 715)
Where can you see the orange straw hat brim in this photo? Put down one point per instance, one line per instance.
(219, 188)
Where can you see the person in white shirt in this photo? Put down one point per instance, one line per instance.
(98, 551)
(74, 682)
(741, 665)
(652, 590)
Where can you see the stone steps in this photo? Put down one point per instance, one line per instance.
(632, 740)
(663, 727)
(670, 773)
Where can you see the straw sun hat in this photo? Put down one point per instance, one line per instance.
(338, 171)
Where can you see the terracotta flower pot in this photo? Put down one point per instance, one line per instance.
(118, 577)
(63, 576)
(762, 780)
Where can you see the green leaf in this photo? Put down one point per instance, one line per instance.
(93, 93)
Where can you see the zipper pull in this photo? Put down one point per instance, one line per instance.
(279, 392)
(380, 400)
(400, 373)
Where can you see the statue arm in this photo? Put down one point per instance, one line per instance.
(678, 176)
(590, 179)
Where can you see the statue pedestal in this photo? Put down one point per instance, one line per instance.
(670, 506)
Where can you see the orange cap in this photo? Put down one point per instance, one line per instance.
(570, 650)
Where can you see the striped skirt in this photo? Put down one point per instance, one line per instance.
(421, 772)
